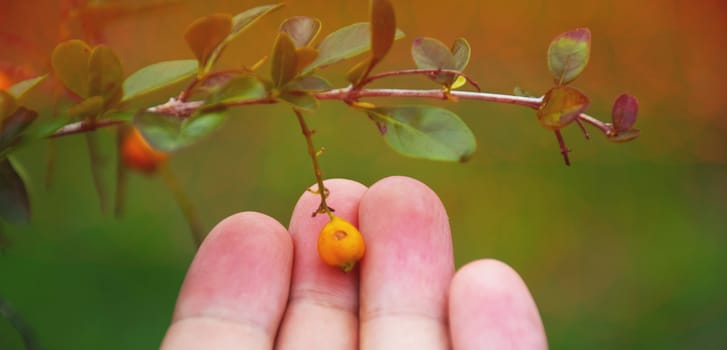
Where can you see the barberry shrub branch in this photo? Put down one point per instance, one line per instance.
(176, 103)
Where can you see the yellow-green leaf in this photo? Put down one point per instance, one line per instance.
(22, 88)
(105, 75)
(344, 43)
(461, 53)
(568, 54)
(561, 105)
(157, 76)
(205, 34)
(284, 61)
(299, 99)
(70, 64)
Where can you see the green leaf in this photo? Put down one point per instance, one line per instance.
(20, 89)
(429, 53)
(105, 75)
(240, 23)
(300, 100)
(157, 76)
(302, 29)
(624, 112)
(461, 52)
(238, 89)
(70, 64)
(168, 133)
(383, 29)
(14, 199)
(344, 43)
(87, 109)
(204, 36)
(284, 61)
(425, 132)
(311, 83)
(561, 105)
(568, 54)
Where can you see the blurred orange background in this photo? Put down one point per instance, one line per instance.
(621, 250)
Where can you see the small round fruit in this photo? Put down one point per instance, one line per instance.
(340, 244)
(137, 154)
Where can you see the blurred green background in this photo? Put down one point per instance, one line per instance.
(624, 249)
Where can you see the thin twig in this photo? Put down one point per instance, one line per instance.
(427, 72)
(308, 133)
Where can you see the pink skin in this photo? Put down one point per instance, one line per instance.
(256, 285)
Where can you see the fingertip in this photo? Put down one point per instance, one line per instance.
(240, 275)
(490, 306)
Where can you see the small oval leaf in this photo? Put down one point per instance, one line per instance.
(312, 83)
(425, 132)
(284, 61)
(238, 89)
(344, 43)
(429, 53)
(105, 75)
(205, 34)
(14, 200)
(625, 136)
(168, 133)
(461, 52)
(70, 64)
(300, 100)
(157, 76)
(568, 54)
(561, 105)
(302, 29)
(624, 112)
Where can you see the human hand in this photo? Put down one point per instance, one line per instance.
(255, 285)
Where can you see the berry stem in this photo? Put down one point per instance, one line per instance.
(322, 191)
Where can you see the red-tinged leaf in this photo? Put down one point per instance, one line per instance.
(383, 29)
(568, 54)
(624, 112)
(302, 29)
(205, 34)
(70, 64)
(14, 199)
(624, 136)
(105, 75)
(284, 61)
(561, 105)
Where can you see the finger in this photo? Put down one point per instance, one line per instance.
(235, 291)
(407, 268)
(323, 305)
(490, 307)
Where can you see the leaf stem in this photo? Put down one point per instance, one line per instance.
(322, 191)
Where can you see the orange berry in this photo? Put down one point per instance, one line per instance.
(137, 154)
(340, 244)
(5, 81)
